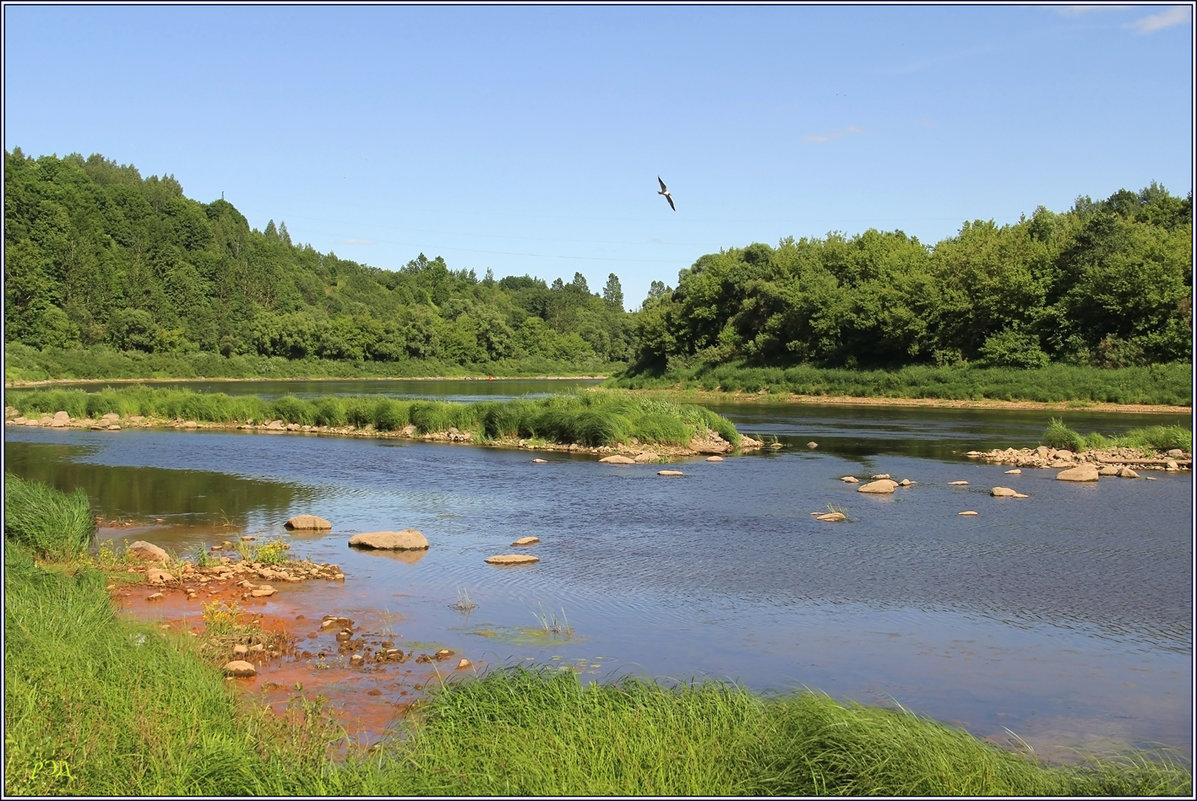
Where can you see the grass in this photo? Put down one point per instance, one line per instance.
(1151, 440)
(1159, 384)
(129, 709)
(593, 418)
(639, 738)
(51, 523)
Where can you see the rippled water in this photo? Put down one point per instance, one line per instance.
(1065, 617)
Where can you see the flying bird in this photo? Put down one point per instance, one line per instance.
(665, 191)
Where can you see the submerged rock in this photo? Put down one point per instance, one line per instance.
(512, 559)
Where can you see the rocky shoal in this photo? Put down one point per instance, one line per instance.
(1109, 461)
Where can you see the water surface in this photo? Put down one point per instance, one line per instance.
(1064, 617)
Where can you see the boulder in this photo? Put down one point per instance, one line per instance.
(525, 541)
(307, 523)
(1126, 472)
(831, 517)
(882, 486)
(714, 458)
(669, 472)
(957, 483)
(512, 559)
(1002, 492)
(850, 480)
(617, 459)
(409, 539)
(146, 552)
(1082, 472)
(239, 667)
(60, 420)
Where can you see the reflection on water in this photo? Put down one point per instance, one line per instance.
(1065, 617)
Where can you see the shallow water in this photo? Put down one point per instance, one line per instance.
(1064, 617)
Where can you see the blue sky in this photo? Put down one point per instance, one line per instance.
(528, 139)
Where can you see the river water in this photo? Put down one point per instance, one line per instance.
(1063, 618)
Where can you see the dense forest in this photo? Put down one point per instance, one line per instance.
(1107, 284)
(96, 255)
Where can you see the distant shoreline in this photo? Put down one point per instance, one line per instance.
(689, 394)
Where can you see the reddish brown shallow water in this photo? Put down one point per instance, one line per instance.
(366, 700)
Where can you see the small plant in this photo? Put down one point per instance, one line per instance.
(464, 602)
(201, 556)
(222, 619)
(273, 552)
(551, 624)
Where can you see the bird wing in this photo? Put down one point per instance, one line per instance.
(670, 199)
(662, 183)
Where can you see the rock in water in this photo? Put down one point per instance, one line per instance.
(409, 539)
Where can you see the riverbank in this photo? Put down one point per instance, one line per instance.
(682, 393)
(719, 396)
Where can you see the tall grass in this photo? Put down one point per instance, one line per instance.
(535, 731)
(593, 418)
(1166, 384)
(1149, 439)
(49, 522)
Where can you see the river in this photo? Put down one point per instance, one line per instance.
(1063, 618)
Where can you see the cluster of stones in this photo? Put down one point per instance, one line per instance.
(644, 457)
(224, 571)
(1108, 461)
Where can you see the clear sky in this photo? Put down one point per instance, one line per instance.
(528, 139)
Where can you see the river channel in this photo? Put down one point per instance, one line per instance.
(1063, 619)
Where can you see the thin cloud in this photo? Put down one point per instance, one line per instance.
(1077, 10)
(1177, 15)
(822, 138)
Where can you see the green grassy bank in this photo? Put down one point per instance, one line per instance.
(1157, 385)
(23, 363)
(98, 705)
(593, 418)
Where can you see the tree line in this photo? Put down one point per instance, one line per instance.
(97, 255)
(1106, 283)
